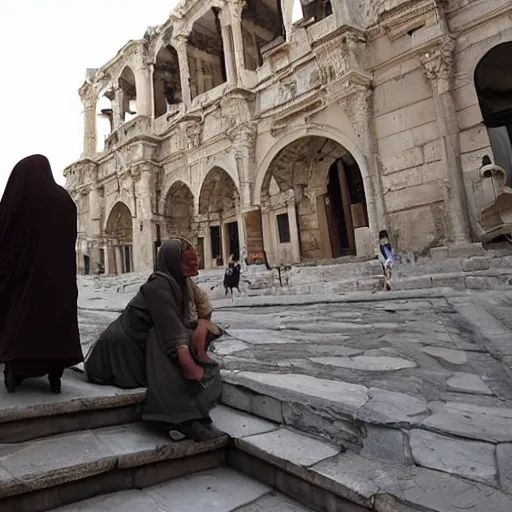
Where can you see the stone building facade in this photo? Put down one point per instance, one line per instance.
(245, 131)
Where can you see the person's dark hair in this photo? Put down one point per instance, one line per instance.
(383, 234)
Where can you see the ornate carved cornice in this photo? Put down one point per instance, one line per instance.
(405, 17)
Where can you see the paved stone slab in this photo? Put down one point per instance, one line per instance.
(239, 424)
(470, 459)
(274, 503)
(288, 386)
(504, 459)
(468, 383)
(227, 346)
(220, 490)
(53, 461)
(389, 407)
(260, 336)
(493, 424)
(285, 446)
(384, 444)
(457, 357)
(367, 363)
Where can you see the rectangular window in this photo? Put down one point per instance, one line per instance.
(283, 227)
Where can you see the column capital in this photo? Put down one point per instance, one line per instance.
(438, 61)
(236, 7)
(87, 95)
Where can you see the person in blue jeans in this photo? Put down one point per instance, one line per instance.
(387, 258)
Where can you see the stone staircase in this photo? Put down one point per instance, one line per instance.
(85, 451)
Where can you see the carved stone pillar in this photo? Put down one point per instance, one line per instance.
(358, 105)
(88, 97)
(181, 48)
(244, 141)
(236, 9)
(117, 108)
(287, 10)
(144, 233)
(227, 43)
(438, 67)
(151, 68)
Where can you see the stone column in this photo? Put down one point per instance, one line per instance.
(243, 145)
(180, 43)
(358, 105)
(287, 10)
(236, 9)
(117, 108)
(151, 68)
(227, 43)
(143, 225)
(294, 230)
(88, 97)
(438, 66)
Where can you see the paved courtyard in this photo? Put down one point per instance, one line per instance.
(417, 379)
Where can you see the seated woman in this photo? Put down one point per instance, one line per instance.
(156, 344)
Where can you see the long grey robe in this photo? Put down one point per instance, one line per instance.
(139, 349)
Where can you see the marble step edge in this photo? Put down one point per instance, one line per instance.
(314, 470)
(77, 396)
(60, 460)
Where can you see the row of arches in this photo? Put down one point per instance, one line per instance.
(210, 59)
(313, 206)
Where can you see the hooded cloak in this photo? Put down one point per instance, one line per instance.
(38, 288)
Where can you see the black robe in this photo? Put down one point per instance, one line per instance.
(139, 349)
(38, 288)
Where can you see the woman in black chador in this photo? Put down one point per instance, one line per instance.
(160, 341)
(38, 290)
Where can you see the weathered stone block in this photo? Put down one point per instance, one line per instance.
(473, 139)
(268, 408)
(235, 397)
(386, 444)
(482, 283)
(415, 196)
(439, 253)
(476, 263)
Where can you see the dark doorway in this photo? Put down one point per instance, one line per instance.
(345, 205)
(216, 244)
(233, 240)
(87, 265)
(126, 252)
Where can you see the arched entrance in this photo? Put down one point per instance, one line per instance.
(313, 203)
(493, 83)
(179, 211)
(119, 232)
(128, 95)
(219, 202)
(166, 81)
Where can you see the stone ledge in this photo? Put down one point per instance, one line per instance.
(27, 467)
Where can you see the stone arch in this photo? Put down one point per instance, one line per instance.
(166, 80)
(319, 131)
(313, 201)
(218, 212)
(119, 235)
(493, 85)
(128, 100)
(179, 211)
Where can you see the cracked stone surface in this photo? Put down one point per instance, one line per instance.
(370, 371)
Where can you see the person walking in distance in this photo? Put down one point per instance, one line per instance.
(38, 308)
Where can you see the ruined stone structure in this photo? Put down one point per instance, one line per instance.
(244, 131)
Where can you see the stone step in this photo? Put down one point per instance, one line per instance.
(323, 476)
(39, 475)
(218, 490)
(33, 412)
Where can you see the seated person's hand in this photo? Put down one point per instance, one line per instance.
(199, 340)
(191, 371)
